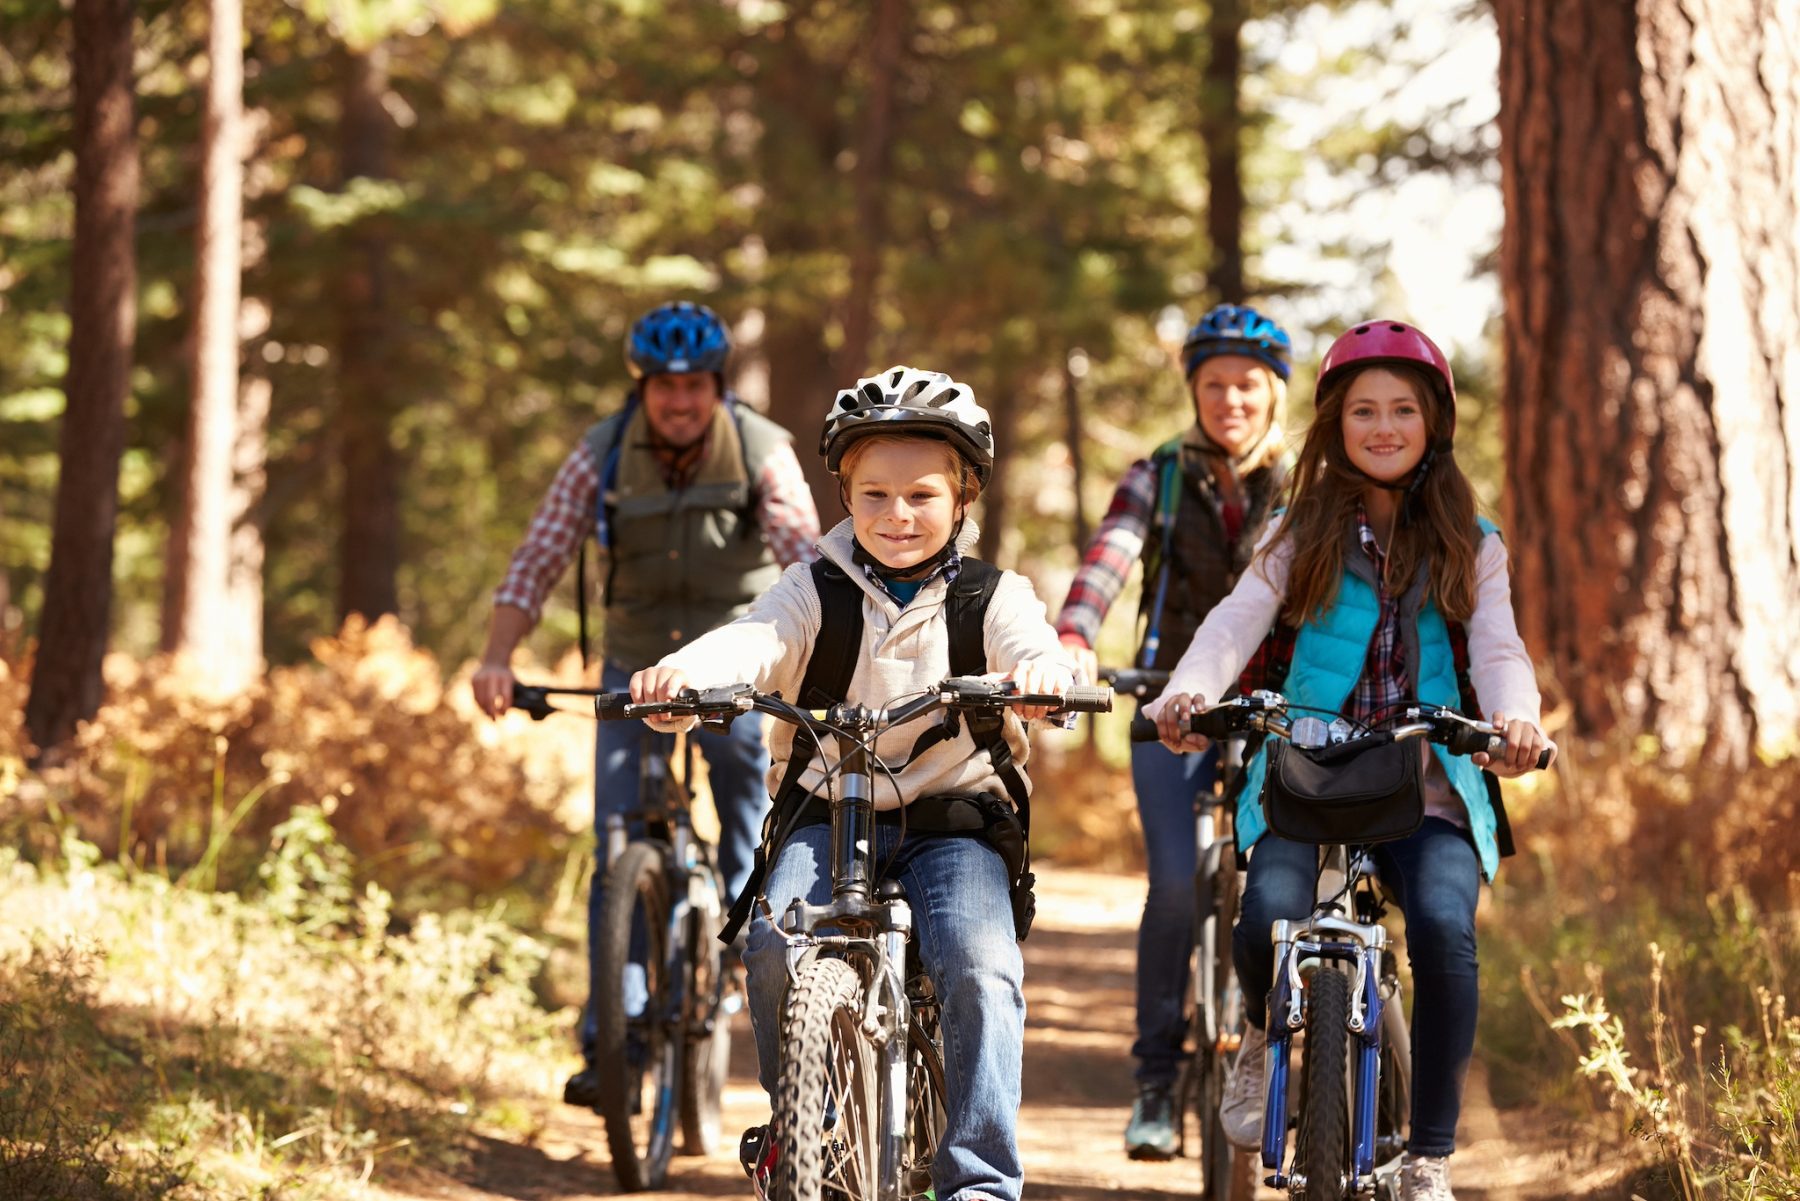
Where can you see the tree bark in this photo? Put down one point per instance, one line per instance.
(1071, 390)
(369, 555)
(870, 185)
(203, 622)
(1221, 123)
(66, 685)
(1650, 154)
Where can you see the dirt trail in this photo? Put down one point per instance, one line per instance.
(1078, 984)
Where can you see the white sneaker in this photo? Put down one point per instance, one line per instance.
(1425, 1178)
(1241, 1111)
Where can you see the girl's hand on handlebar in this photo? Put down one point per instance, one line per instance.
(1524, 743)
(1045, 677)
(493, 688)
(1171, 716)
(660, 684)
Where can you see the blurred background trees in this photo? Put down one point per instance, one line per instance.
(453, 211)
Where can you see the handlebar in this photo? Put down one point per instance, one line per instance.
(965, 693)
(1268, 712)
(535, 699)
(1134, 681)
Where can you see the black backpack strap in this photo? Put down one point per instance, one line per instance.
(966, 616)
(825, 683)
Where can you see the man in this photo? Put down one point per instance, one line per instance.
(697, 504)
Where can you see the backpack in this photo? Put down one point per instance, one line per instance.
(826, 682)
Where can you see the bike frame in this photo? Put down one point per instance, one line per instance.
(1302, 947)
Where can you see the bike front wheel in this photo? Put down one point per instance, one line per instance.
(639, 1050)
(1322, 1142)
(924, 1106)
(706, 1059)
(827, 1099)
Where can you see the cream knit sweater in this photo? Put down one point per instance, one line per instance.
(904, 651)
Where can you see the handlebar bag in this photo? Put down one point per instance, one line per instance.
(1362, 791)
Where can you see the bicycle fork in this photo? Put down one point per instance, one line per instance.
(1301, 948)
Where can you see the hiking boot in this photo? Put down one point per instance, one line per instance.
(756, 1152)
(1241, 1112)
(1151, 1132)
(583, 1089)
(1425, 1178)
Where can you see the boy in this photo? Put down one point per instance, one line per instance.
(911, 450)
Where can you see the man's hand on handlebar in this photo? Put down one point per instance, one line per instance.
(1171, 715)
(493, 687)
(660, 684)
(1039, 677)
(1524, 743)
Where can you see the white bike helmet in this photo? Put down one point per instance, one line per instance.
(906, 400)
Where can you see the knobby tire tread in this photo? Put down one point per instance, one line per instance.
(1324, 1136)
(821, 990)
(638, 876)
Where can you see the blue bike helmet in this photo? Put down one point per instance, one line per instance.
(1237, 329)
(677, 338)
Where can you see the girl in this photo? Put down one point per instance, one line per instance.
(1371, 589)
(911, 450)
(1191, 513)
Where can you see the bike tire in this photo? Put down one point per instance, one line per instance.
(706, 1058)
(638, 1055)
(827, 1098)
(1322, 1143)
(1226, 1174)
(925, 1106)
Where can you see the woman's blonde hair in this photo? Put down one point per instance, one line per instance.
(1325, 488)
(963, 480)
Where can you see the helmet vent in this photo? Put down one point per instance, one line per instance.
(872, 393)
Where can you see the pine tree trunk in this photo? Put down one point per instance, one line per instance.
(202, 621)
(369, 556)
(66, 685)
(1222, 124)
(1650, 159)
(870, 183)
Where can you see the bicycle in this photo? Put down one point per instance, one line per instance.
(859, 1103)
(662, 996)
(1337, 981)
(1216, 1015)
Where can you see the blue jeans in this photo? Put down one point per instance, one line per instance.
(962, 918)
(1437, 877)
(737, 763)
(1166, 785)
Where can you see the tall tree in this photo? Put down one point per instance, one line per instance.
(1651, 168)
(874, 147)
(1221, 124)
(66, 684)
(206, 620)
(369, 555)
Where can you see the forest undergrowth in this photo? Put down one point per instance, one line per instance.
(326, 933)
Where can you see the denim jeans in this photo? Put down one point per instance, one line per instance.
(1437, 877)
(1166, 785)
(962, 918)
(737, 763)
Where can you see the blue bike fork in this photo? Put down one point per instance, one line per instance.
(1284, 1018)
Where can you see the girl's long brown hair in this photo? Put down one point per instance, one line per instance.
(1322, 496)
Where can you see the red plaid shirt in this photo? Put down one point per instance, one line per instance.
(784, 510)
(1384, 682)
(1115, 550)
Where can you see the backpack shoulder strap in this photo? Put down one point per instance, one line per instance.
(966, 615)
(835, 649)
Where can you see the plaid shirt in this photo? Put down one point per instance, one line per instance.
(784, 510)
(1384, 681)
(1115, 550)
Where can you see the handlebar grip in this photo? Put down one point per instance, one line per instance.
(1468, 742)
(530, 698)
(1087, 698)
(1544, 757)
(610, 706)
(1144, 730)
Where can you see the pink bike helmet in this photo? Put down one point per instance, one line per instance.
(1373, 343)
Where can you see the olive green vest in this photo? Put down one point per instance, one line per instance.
(686, 560)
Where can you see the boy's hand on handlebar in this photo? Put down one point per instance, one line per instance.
(660, 684)
(1043, 677)
(493, 688)
(1524, 743)
(1171, 714)
(1087, 664)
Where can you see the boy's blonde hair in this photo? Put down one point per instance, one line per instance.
(963, 480)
